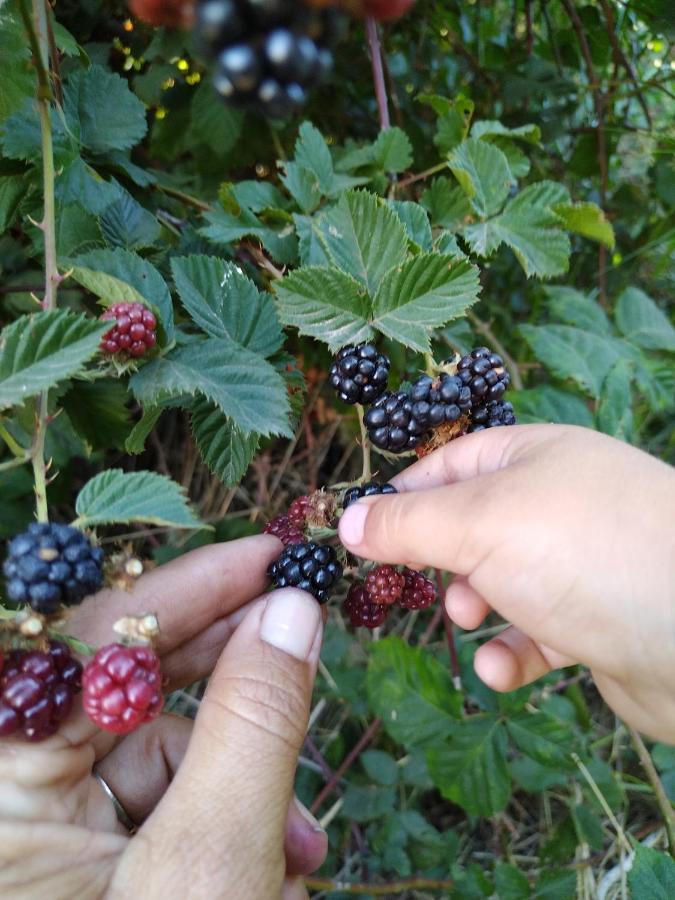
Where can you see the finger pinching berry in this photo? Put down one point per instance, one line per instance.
(122, 688)
(370, 489)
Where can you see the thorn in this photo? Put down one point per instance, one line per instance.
(37, 299)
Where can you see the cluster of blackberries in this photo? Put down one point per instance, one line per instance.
(50, 565)
(308, 566)
(368, 603)
(268, 53)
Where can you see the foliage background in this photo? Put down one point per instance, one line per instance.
(444, 787)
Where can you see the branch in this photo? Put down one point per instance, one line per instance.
(621, 59)
(375, 47)
(346, 763)
(662, 800)
(378, 890)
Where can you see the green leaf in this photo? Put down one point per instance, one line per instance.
(380, 767)
(652, 875)
(424, 293)
(225, 450)
(415, 221)
(368, 802)
(642, 322)
(312, 154)
(556, 884)
(310, 241)
(18, 72)
(511, 883)
(225, 303)
(98, 411)
(454, 118)
(77, 231)
(574, 308)
(588, 826)
(615, 413)
(447, 203)
(392, 151)
(572, 353)
(324, 303)
(38, 351)
(257, 196)
(588, 220)
(102, 111)
(544, 738)
(79, 183)
(225, 228)
(22, 139)
(135, 442)
(483, 174)
(245, 387)
(411, 692)
(302, 185)
(12, 190)
(125, 223)
(114, 496)
(550, 404)
(214, 124)
(364, 237)
(470, 768)
(487, 129)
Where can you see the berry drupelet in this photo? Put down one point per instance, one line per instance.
(285, 530)
(359, 374)
(483, 372)
(361, 609)
(384, 585)
(441, 400)
(392, 424)
(122, 688)
(308, 566)
(51, 565)
(298, 511)
(133, 333)
(418, 592)
(37, 690)
(371, 489)
(491, 415)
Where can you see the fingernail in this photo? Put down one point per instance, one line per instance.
(308, 817)
(291, 622)
(353, 523)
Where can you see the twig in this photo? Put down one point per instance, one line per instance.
(365, 447)
(378, 890)
(621, 59)
(662, 800)
(375, 47)
(484, 329)
(346, 763)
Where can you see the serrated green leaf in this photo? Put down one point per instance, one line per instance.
(114, 496)
(364, 237)
(483, 174)
(324, 303)
(302, 185)
(21, 137)
(575, 308)
(556, 884)
(363, 803)
(99, 413)
(544, 738)
(214, 124)
(125, 223)
(18, 72)
(487, 129)
(77, 231)
(615, 412)
(454, 118)
(511, 883)
(588, 826)
(380, 767)
(225, 228)
(642, 322)
(310, 241)
(102, 111)
(415, 221)
(470, 767)
(312, 154)
(225, 303)
(411, 692)
(424, 293)
(448, 205)
(244, 385)
(38, 351)
(588, 220)
(519, 164)
(550, 404)
(392, 151)
(135, 442)
(652, 875)
(225, 450)
(79, 183)
(258, 195)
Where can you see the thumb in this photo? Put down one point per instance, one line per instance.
(227, 808)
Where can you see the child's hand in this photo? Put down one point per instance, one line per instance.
(565, 532)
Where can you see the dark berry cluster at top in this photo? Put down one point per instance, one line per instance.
(37, 690)
(308, 566)
(370, 489)
(50, 565)
(368, 603)
(484, 374)
(359, 374)
(133, 333)
(268, 53)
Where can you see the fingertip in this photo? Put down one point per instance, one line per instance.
(497, 666)
(306, 843)
(352, 525)
(464, 604)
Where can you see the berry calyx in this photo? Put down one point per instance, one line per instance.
(384, 585)
(133, 333)
(484, 373)
(308, 566)
(370, 489)
(360, 608)
(359, 374)
(491, 415)
(122, 688)
(51, 565)
(282, 528)
(37, 690)
(392, 424)
(418, 592)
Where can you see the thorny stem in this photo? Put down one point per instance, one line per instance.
(365, 447)
(375, 47)
(346, 763)
(378, 890)
(662, 800)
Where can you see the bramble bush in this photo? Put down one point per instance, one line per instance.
(522, 197)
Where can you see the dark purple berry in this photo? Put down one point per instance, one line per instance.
(359, 374)
(308, 566)
(491, 415)
(369, 489)
(483, 372)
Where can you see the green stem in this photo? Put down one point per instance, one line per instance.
(365, 447)
(662, 800)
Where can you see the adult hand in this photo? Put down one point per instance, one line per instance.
(213, 799)
(568, 534)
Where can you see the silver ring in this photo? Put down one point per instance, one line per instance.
(123, 816)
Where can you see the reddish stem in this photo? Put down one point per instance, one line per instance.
(346, 763)
(375, 46)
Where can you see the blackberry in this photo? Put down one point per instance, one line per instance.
(384, 585)
(51, 565)
(359, 374)
(37, 690)
(282, 527)
(438, 401)
(392, 424)
(268, 53)
(133, 333)
(361, 610)
(122, 688)
(307, 566)
(492, 414)
(483, 372)
(370, 489)
(418, 592)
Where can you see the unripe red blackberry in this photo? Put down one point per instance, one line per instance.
(282, 528)
(133, 333)
(372, 488)
(122, 688)
(483, 372)
(384, 585)
(492, 415)
(37, 690)
(418, 592)
(361, 610)
(359, 374)
(307, 566)
(392, 424)
(299, 510)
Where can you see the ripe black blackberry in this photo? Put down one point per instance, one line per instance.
(359, 374)
(268, 53)
(435, 401)
(491, 415)
(484, 374)
(392, 424)
(361, 609)
(51, 565)
(369, 489)
(308, 566)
